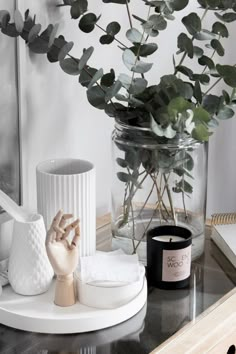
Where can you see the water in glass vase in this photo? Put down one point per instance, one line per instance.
(156, 184)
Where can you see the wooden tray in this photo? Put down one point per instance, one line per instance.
(213, 332)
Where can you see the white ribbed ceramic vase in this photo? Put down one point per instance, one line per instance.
(29, 271)
(69, 184)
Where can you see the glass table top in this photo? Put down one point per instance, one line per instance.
(166, 312)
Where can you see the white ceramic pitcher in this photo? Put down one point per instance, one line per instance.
(29, 272)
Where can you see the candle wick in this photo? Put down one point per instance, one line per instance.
(170, 239)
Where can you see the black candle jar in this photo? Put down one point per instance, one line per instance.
(169, 257)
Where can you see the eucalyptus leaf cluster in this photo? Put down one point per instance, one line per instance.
(181, 103)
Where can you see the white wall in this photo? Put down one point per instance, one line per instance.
(57, 120)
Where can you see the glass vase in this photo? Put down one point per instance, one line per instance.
(156, 182)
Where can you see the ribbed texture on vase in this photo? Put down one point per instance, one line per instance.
(29, 272)
(73, 194)
(87, 350)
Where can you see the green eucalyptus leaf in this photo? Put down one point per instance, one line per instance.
(53, 34)
(211, 103)
(145, 49)
(157, 129)
(40, 44)
(86, 76)
(201, 115)
(154, 24)
(106, 39)
(202, 78)
(54, 50)
(184, 70)
(226, 96)
(206, 61)
(183, 186)
(178, 105)
(204, 35)
(113, 90)
(132, 159)
(113, 28)
(227, 17)
(134, 35)
(27, 15)
(19, 22)
(215, 43)
(220, 29)
(85, 58)
(197, 92)
(10, 30)
(201, 133)
(198, 52)
(225, 113)
(180, 171)
(87, 22)
(133, 64)
(185, 44)
(97, 76)
(124, 177)
(213, 123)
(65, 50)
(69, 66)
(134, 86)
(96, 97)
(121, 2)
(78, 8)
(121, 162)
(28, 24)
(4, 18)
(190, 163)
(177, 5)
(228, 73)
(34, 32)
(108, 79)
(68, 2)
(138, 86)
(192, 23)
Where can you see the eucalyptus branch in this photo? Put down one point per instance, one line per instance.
(160, 200)
(117, 40)
(192, 39)
(212, 55)
(129, 14)
(132, 215)
(170, 199)
(138, 51)
(147, 199)
(215, 83)
(146, 229)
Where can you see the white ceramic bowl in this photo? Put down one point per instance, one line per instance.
(108, 295)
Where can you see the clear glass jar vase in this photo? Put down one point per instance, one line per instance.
(156, 182)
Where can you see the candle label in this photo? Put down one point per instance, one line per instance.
(176, 264)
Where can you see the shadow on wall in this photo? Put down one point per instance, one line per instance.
(9, 133)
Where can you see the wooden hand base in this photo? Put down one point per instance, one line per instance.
(65, 291)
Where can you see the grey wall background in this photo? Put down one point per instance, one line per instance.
(9, 137)
(57, 121)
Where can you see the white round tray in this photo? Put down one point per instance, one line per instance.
(39, 314)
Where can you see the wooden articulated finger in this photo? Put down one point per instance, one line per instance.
(60, 231)
(52, 231)
(58, 217)
(50, 236)
(69, 228)
(64, 219)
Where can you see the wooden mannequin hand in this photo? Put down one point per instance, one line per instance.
(63, 256)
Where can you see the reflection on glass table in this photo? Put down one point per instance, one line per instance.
(165, 313)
